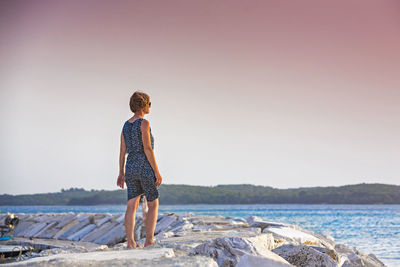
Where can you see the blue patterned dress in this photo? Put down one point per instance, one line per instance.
(139, 175)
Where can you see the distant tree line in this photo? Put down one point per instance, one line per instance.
(171, 194)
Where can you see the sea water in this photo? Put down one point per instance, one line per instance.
(370, 228)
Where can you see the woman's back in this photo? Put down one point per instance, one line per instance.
(137, 165)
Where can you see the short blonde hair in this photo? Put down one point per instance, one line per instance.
(138, 101)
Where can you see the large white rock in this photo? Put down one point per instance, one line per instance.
(351, 257)
(227, 250)
(291, 234)
(326, 241)
(294, 233)
(164, 223)
(308, 256)
(273, 260)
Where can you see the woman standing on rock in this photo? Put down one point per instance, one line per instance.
(141, 172)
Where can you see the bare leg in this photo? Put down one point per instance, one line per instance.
(129, 221)
(151, 221)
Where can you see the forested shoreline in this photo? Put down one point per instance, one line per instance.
(177, 194)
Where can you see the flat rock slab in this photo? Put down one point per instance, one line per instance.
(115, 258)
(272, 260)
(50, 243)
(99, 231)
(183, 261)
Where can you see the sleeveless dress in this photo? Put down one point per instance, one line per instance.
(139, 175)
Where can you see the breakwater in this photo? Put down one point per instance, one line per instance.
(181, 240)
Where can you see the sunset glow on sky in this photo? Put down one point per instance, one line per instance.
(277, 93)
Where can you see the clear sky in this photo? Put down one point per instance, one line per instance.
(277, 93)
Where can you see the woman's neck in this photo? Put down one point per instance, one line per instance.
(139, 115)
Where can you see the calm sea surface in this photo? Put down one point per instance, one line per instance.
(369, 228)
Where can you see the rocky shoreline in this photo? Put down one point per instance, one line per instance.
(98, 239)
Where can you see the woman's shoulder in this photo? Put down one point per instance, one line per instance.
(144, 123)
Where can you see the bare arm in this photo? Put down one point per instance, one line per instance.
(148, 150)
(122, 154)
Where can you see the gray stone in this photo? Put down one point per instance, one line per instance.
(307, 256)
(99, 232)
(44, 244)
(111, 258)
(66, 219)
(22, 227)
(120, 218)
(48, 227)
(50, 232)
(106, 218)
(74, 229)
(35, 229)
(226, 251)
(114, 236)
(83, 216)
(164, 223)
(65, 229)
(140, 229)
(78, 235)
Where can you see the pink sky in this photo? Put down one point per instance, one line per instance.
(278, 93)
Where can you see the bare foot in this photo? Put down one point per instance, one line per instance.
(132, 244)
(149, 243)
